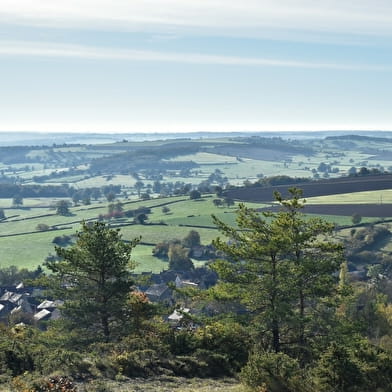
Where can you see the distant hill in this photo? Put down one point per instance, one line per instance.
(50, 138)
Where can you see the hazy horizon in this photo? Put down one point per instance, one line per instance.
(31, 138)
(195, 66)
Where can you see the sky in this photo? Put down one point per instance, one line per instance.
(195, 65)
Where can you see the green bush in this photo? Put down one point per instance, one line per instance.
(361, 368)
(229, 339)
(141, 363)
(275, 372)
(188, 366)
(15, 359)
(217, 364)
(64, 361)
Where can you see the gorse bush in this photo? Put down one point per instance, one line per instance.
(275, 372)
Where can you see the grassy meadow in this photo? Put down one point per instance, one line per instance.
(377, 197)
(24, 245)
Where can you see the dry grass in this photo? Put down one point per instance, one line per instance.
(165, 384)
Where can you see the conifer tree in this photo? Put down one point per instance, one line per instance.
(283, 268)
(93, 277)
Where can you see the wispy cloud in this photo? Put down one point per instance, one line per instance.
(39, 49)
(250, 17)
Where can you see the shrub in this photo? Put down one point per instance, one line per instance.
(139, 363)
(165, 209)
(192, 239)
(140, 218)
(338, 370)
(62, 240)
(194, 195)
(62, 208)
(188, 366)
(42, 227)
(179, 258)
(356, 219)
(275, 372)
(217, 364)
(64, 361)
(161, 249)
(228, 339)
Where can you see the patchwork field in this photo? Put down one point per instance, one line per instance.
(177, 164)
(24, 245)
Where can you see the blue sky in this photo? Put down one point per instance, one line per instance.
(195, 65)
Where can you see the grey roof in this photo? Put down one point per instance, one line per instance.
(185, 283)
(15, 298)
(6, 296)
(47, 304)
(41, 315)
(189, 283)
(55, 315)
(24, 306)
(178, 315)
(11, 297)
(16, 310)
(157, 289)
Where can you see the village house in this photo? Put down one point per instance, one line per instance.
(177, 316)
(18, 302)
(159, 293)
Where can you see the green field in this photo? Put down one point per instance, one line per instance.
(99, 181)
(31, 248)
(206, 158)
(371, 197)
(343, 220)
(23, 245)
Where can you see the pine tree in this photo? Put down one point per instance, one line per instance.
(93, 277)
(283, 269)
